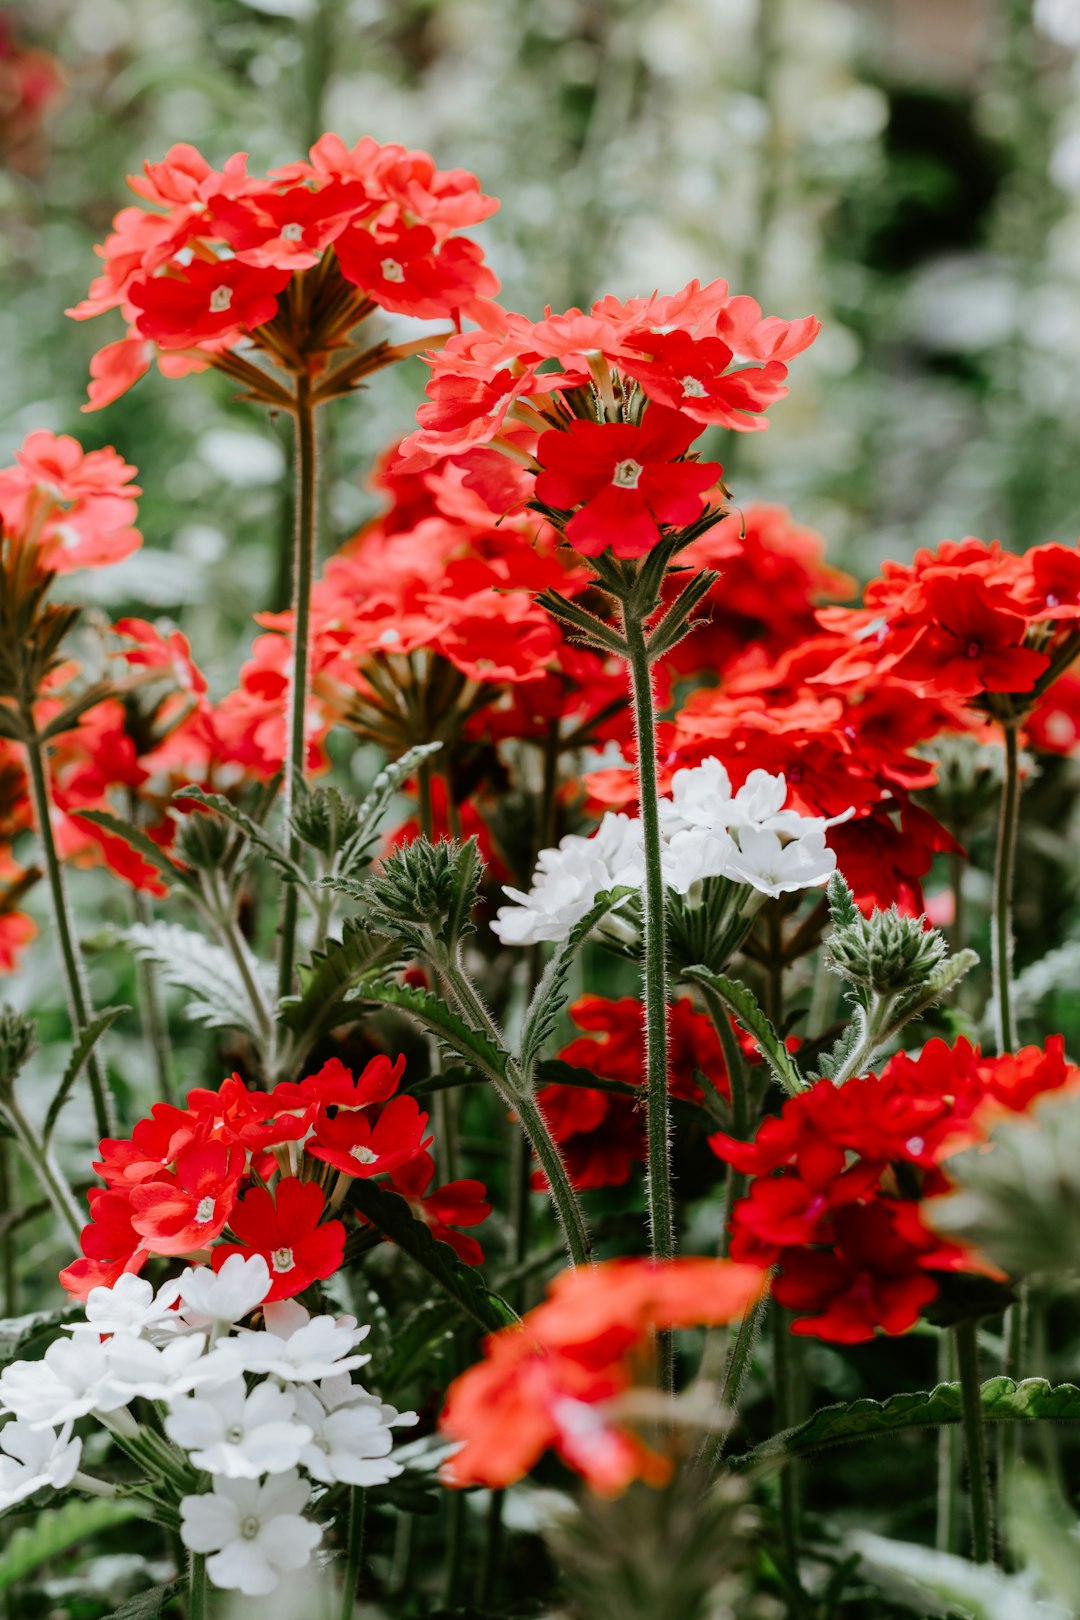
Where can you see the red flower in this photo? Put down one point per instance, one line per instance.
(76, 506)
(970, 642)
(288, 1231)
(690, 375)
(456, 1203)
(625, 481)
(555, 1380)
(404, 271)
(186, 1209)
(350, 1141)
(110, 1244)
(870, 1280)
(207, 302)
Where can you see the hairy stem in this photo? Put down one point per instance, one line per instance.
(1004, 872)
(661, 1215)
(155, 1026)
(978, 1480)
(354, 1550)
(307, 478)
(50, 1177)
(79, 1004)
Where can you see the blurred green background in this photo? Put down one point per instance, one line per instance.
(910, 170)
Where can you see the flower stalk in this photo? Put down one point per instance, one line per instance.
(307, 482)
(978, 1472)
(354, 1549)
(1004, 874)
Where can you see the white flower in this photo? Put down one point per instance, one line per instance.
(349, 1445)
(69, 1381)
(36, 1457)
(295, 1346)
(694, 853)
(254, 1533)
(129, 1306)
(341, 1391)
(227, 1431)
(700, 797)
(137, 1367)
(226, 1295)
(568, 880)
(775, 868)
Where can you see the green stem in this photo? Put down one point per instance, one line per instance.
(307, 478)
(155, 1027)
(8, 1268)
(733, 1063)
(967, 1364)
(658, 1131)
(1004, 871)
(1016, 1326)
(197, 1587)
(789, 1489)
(354, 1550)
(78, 995)
(738, 1353)
(948, 1459)
(41, 1161)
(563, 1195)
(455, 1548)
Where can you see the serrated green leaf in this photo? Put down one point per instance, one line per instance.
(940, 982)
(390, 1214)
(1003, 1401)
(256, 835)
(550, 995)
(192, 963)
(148, 1605)
(744, 1005)
(436, 1015)
(143, 845)
(55, 1530)
(82, 1050)
(325, 980)
(375, 804)
(842, 908)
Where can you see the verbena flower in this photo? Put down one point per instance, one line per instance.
(35, 1457)
(239, 1434)
(253, 1533)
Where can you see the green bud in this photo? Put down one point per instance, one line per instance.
(886, 952)
(17, 1041)
(202, 841)
(325, 820)
(427, 889)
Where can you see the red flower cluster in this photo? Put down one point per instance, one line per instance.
(841, 1172)
(602, 1134)
(556, 1379)
(74, 508)
(965, 622)
(622, 393)
(204, 268)
(241, 1172)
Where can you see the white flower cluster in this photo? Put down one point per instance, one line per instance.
(250, 1407)
(707, 831)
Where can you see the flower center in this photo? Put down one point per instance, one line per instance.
(220, 300)
(974, 648)
(1052, 600)
(282, 1259)
(292, 232)
(693, 388)
(234, 1434)
(391, 270)
(205, 1211)
(627, 474)
(365, 1155)
(249, 1527)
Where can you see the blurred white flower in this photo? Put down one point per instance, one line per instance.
(35, 1457)
(137, 1367)
(253, 1533)
(228, 1431)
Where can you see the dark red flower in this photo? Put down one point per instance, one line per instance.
(288, 1230)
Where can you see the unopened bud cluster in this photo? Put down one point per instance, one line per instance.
(886, 952)
(425, 883)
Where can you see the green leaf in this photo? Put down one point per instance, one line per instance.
(436, 1015)
(940, 982)
(18, 1334)
(1003, 1401)
(389, 1213)
(375, 804)
(676, 622)
(742, 1002)
(413, 1343)
(148, 1605)
(55, 1530)
(842, 908)
(590, 630)
(82, 1050)
(192, 963)
(290, 870)
(137, 840)
(326, 978)
(550, 995)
